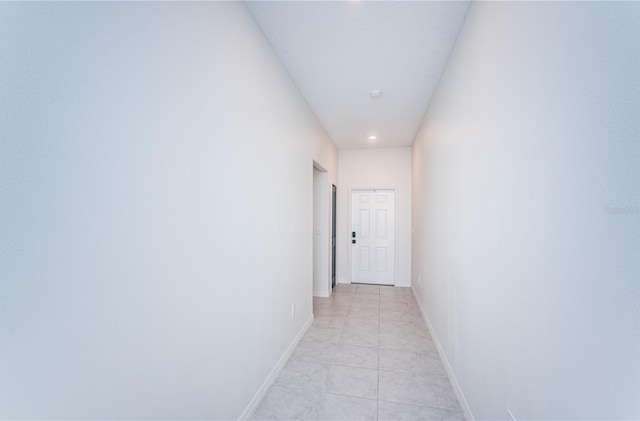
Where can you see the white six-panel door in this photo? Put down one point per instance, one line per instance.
(373, 246)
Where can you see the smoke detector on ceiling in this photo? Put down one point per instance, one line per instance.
(375, 94)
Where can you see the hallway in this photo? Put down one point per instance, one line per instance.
(368, 355)
(179, 179)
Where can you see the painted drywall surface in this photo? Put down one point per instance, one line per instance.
(375, 168)
(155, 182)
(526, 190)
(325, 154)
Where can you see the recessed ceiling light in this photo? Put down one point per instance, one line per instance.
(375, 94)
(373, 137)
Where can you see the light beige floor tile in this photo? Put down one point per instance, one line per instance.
(341, 303)
(440, 382)
(359, 337)
(392, 299)
(422, 330)
(418, 319)
(340, 407)
(320, 301)
(452, 415)
(403, 361)
(283, 403)
(406, 342)
(359, 323)
(392, 315)
(303, 375)
(414, 308)
(366, 299)
(315, 352)
(324, 311)
(397, 327)
(448, 403)
(349, 355)
(366, 342)
(407, 388)
(322, 334)
(330, 321)
(442, 387)
(393, 411)
(336, 309)
(364, 312)
(447, 399)
(342, 297)
(352, 381)
(384, 290)
(394, 306)
(355, 356)
(365, 305)
(436, 368)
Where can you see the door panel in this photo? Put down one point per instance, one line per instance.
(381, 224)
(365, 226)
(381, 259)
(364, 259)
(373, 222)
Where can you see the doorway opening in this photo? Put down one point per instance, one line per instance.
(333, 234)
(321, 220)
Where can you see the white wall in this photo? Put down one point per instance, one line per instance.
(526, 193)
(155, 210)
(375, 168)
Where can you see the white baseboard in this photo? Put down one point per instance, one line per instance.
(452, 377)
(257, 398)
(321, 294)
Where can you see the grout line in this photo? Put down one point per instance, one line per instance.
(353, 396)
(429, 374)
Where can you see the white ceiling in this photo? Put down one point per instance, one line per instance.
(337, 52)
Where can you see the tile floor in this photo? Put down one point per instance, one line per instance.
(367, 356)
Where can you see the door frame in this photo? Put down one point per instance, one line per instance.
(321, 254)
(350, 228)
(334, 236)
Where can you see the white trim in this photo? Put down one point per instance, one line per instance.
(321, 294)
(452, 377)
(257, 398)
